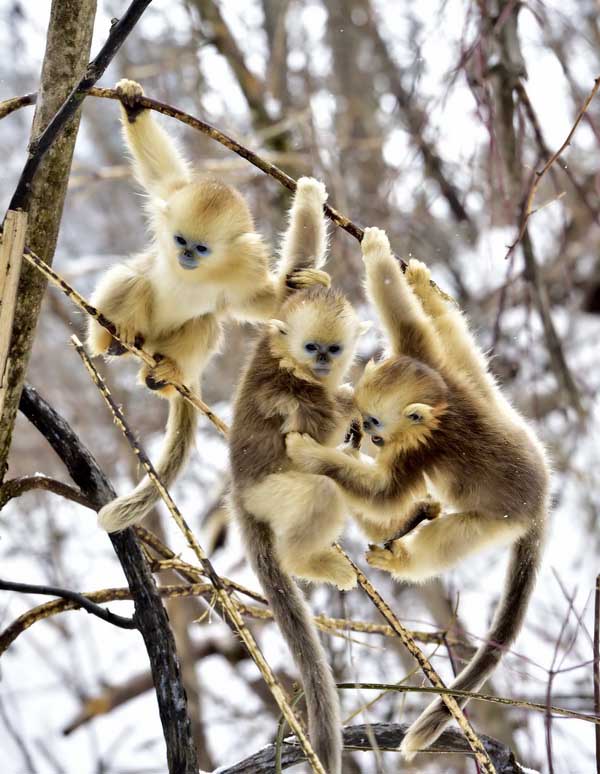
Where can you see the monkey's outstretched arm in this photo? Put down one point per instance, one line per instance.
(460, 348)
(409, 330)
(157, 163)
(372, 485)
(125, 296)
(305, 241)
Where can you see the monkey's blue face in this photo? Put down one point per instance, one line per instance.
(321, 356)
(190, 253)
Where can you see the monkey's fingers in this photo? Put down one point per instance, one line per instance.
(116, 348)
(129, 93)
(354, 435)
(306, 278)
(375, 244)
(417, 274)
(312, 188)
(392, 559)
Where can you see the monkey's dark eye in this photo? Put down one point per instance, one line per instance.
(335, 349)
(414, 417)
(202, 249)
(180, 240)
(310, 347)
(375, 421)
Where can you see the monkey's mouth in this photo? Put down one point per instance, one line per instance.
(322, 369)
(377, 440)
(187, 261)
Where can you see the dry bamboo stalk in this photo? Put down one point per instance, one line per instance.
(11, 251)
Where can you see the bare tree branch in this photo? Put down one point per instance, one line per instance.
(388, 736)
(72, 596)
(15, 487)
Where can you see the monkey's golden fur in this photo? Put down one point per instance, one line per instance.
(289, 519)
(176, 312)
(441, 420)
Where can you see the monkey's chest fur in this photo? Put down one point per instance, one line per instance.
(271, 402)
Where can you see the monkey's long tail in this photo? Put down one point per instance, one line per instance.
(520, 580)
(179, 439)
(294, 620)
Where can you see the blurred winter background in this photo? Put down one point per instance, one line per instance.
(427, 119)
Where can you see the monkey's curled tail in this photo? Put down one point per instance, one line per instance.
(179, 438)
(294, 620)
(520, 580)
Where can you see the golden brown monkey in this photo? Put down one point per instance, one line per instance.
(205, 262)
(289, 519)
(436, 416)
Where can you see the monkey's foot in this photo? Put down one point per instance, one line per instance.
(306, 278)
(129, 93)
(392, 559)
(326, 567)
(157, 378)
(310, 188)
(375, 245)
(418, 275)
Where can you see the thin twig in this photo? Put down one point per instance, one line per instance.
(518, 703)
(453, 706)
(221, 592)
(56, 606)
(15, 487)
(528, 209)
(90, 607)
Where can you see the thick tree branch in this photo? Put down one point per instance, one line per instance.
(150, 614)
(388, 736)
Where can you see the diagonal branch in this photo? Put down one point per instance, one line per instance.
(119, 32)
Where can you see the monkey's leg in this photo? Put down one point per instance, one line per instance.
(460, 348)
(182, 355)
(125, 296)
(306, 514)
(157, 163)
(442, 543)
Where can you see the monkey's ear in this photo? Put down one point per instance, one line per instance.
(418, 412)
(279, 326)
(365, 326)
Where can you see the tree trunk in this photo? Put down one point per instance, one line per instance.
(68, 44)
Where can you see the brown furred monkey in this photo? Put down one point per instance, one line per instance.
(205, 262)
(436, 414)
(289, 519)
